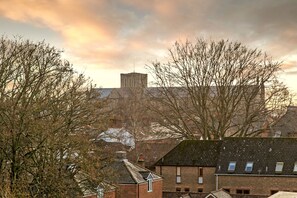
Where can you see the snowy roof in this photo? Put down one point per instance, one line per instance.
(117, 135)
(282, 194)
(218, 194)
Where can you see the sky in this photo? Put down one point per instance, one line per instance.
(103, 38)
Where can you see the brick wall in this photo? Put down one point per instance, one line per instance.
(258, 185)
(127, 190)
(140, 190)
(189, 178)
(156, 193)
(110, 194)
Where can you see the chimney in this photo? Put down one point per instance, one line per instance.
(141, 161)
(121, 156)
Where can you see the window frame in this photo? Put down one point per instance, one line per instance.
(250, 165)
(295, 168)
(178, 174)
(200, 175)
(187, 189)
(243, 191)
(149, 185)
(279, 166)
(231, 164)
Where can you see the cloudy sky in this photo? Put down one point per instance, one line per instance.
(104, 38)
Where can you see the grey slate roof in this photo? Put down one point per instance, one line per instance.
(202, 153)
(263, 152)
(152, 150)
(128, 173)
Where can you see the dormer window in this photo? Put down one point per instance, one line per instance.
(279, 167)
(149, 183)
(232, 166)
(249, 167)
(295, 168)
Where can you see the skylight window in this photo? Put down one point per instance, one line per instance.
(232, 166)
(249, 167)
(279, 167)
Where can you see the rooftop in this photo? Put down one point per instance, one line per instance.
(193, 153)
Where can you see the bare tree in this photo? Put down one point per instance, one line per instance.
(134, 113)
(216, 89)
(45, 113)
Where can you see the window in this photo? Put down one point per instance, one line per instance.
(187, 189)
(150, 185)
(273, 192)
(242, 191)
(226, 189)
(200, 180)
(295, 168)
(200, 189)
(100, 192)
(231, 167)
(279, 167)
(200, 175)
(178, 189)
(246, 192)
(178, 176)
(249, 167)
(200, 172)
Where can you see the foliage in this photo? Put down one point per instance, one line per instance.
(45, 112)
(215, 89)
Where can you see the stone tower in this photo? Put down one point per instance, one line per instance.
(134, 80)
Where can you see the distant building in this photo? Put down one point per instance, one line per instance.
(239, 166)
(134, 80)
(129, 103)
(286, 126)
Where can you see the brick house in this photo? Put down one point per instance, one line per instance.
(133, 180)
(88, 189)
(257, 166)
(251, 166)
(190, 166)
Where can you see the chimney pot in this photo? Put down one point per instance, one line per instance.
(121, 156)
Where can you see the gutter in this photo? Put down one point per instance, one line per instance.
(256, 175)
(217, 182)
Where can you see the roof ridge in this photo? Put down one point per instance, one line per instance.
(131, 175)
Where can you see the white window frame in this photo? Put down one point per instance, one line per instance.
(249, 167)
(231, 164)
(150, 185)
(200, 175)
(295, 167)
(200, 180)
(279, 167)
(178, 175)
